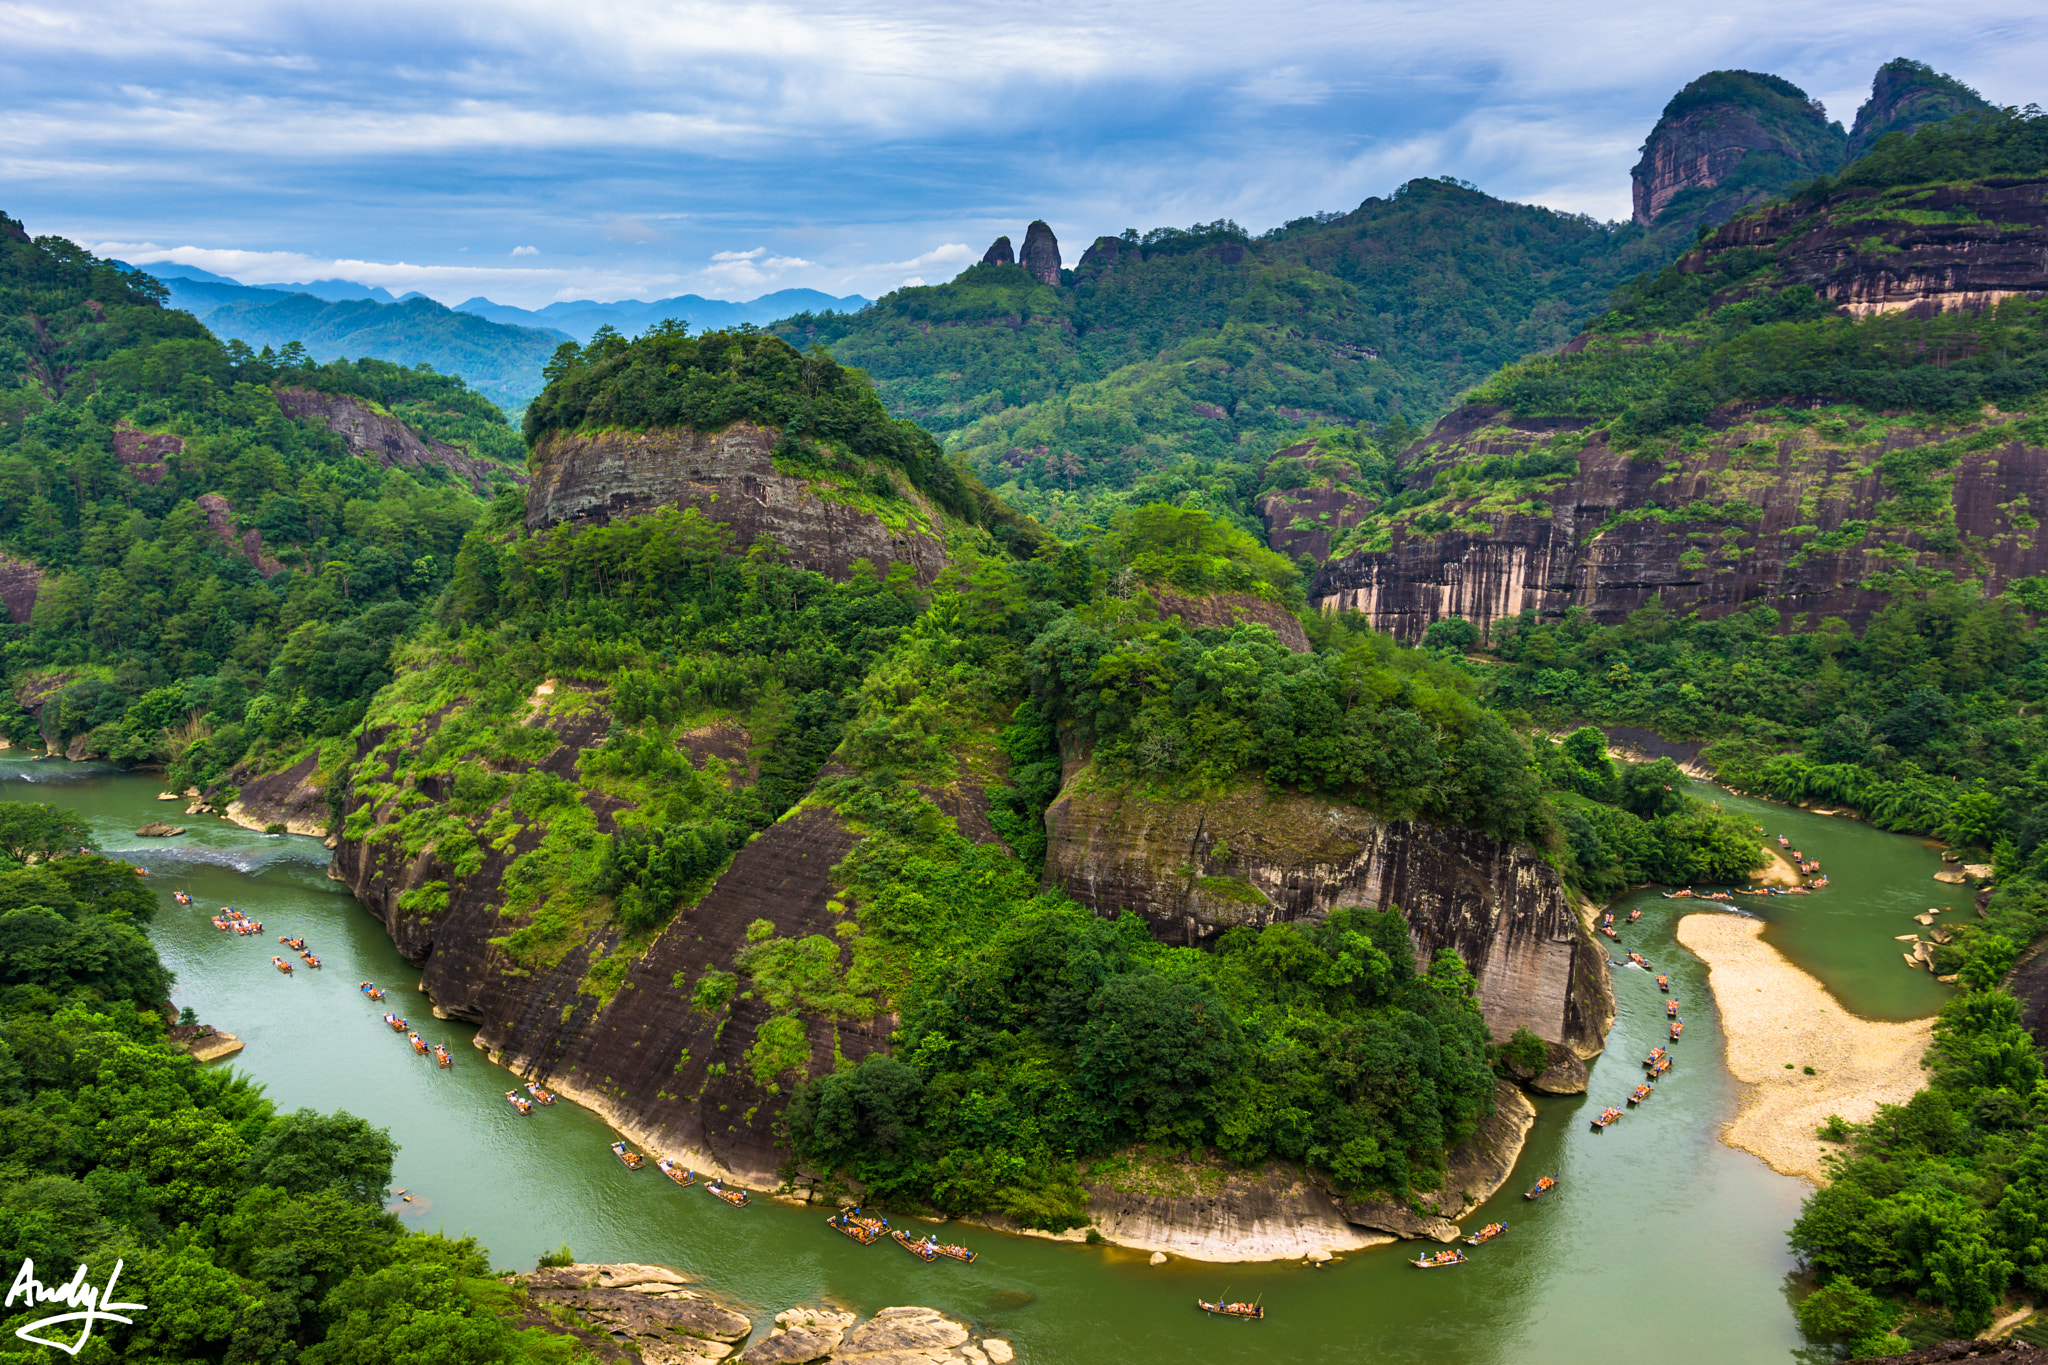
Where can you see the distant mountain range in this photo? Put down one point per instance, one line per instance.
(582, 317)
(497, 348)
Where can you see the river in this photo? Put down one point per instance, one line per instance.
(1660, 1241)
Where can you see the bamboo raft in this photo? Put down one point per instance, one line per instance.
(281, 965)
(441, 1055)
(1486, 1234)
(675, 1171)
(519, 1102)
(540, 1096)
(915, 1246)
(1249, 1312)
(953, 1253)
(1671, 1008)
(737, 1198)
(863, 1230)
(419, 1044)
(397, 1022)
(1608, 1116)
(1639, 1094)
(1541, 1187)
(1677, 1027)
(628, 1158)
(1449, 1256)
(1664, 984)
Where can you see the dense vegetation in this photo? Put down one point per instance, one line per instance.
(1325, 1046)
(155, 635)
(252, 1236)
(1212, 344)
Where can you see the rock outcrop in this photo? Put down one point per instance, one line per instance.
(374, 434)
(999, 253)
(1207, 1212)
(220, 518)
(1293, 857)
(1041, 253)
(591, 478)
(144, 452)
(291, 797)
(663, 1317)
(1752, 133)
(20, 580)
(1908, 95)
(1227, 609)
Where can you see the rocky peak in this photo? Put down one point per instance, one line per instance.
(1728, 140)
(999, 253)
(1102, 256)
(379, 436)
(1907, 95)
(1041, 254)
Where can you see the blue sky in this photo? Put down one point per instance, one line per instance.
(617, 149)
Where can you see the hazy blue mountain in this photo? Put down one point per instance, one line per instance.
(497, 359)
(582, 317)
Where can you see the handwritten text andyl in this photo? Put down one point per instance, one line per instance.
(92, 1305)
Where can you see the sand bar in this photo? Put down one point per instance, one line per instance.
(1773, 1013)
(1779, 871)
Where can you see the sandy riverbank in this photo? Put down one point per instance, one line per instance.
(1773, 1013)
(1780, 871)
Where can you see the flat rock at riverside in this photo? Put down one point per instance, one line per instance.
(157, 829)
(665, 1317)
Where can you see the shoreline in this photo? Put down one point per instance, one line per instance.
(1772, 1013)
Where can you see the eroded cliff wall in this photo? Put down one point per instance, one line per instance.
(593, 477)
(658, 1068)
(1253, 857)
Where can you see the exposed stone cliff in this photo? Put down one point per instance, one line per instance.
(584, 477)
(1294, 857)
(1908, 95)
(1876, 251)
(380, 436)
(1041, 253)
(999, 253)
(1792, 518)
(668, 1075)
(1722, 123)
(20, 580)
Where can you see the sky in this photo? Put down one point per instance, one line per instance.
(532, 152)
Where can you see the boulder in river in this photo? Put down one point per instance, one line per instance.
(157, 829)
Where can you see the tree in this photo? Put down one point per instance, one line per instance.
(29, 832)
(305, 1151)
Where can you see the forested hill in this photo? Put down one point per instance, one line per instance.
(187, 570)
(1216, 343)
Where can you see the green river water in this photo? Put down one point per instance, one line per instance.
(1660, 1241)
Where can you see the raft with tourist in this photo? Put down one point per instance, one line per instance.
(954, 1253)
(863, 1230)
(442, 1055)
(920, 1247)
(281, 965)
(675, 1170)
(1437, 1260)
(1544, 1185)
(737, 1198)
(1486, 1234)
(628, 1158)
(419, 1044)
(1639, 1094)
(1664, 983)
(397, 1022)
(519, 1102)
(1677, 1027)
(1608, 1117)
(1250, 1312)
(540, 1095)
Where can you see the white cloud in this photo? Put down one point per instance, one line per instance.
(526, 251)
(914, 282)
(737, 270)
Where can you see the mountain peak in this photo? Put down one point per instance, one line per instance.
(1728, 140)
(1906, 95)
(1041, 254)
(999, 253)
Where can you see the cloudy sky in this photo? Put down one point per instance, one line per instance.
(629, 149)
